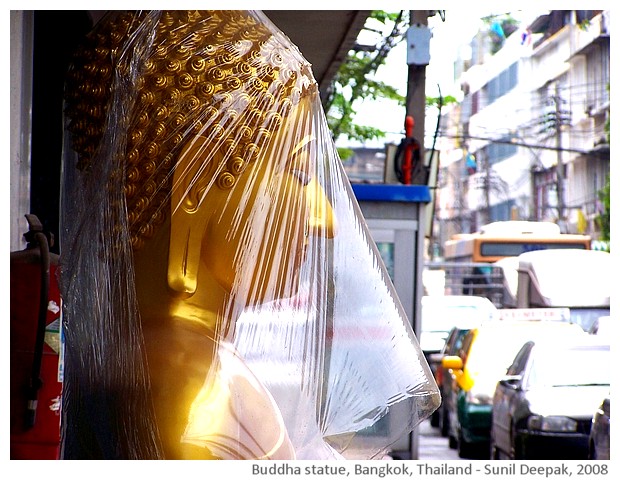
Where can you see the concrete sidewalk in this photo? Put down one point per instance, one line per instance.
(432, 446)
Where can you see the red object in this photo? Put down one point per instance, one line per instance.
(439, 375)
(408, 155)
(35, 425)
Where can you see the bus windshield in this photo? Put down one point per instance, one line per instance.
(500, 240)
(514, 249)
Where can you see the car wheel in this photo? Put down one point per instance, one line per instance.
(435, 419)
(592, 452)
(464, 448)
(495, 453)
(445, 423)
(515, 448)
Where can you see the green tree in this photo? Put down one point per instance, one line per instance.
(500, 27)
(604, 195)
(603, 218)
(355, 80)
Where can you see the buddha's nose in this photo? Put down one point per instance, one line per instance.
(322, 221)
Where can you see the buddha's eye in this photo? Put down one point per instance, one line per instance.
(303, 176)
(300, 163)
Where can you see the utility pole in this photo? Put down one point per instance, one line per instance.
(487, 189)
(417, 59)
(418, 56)
(559, 169)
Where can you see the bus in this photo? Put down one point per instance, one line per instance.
(480, 263)
(499, 240)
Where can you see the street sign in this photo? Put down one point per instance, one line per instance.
(555, 314)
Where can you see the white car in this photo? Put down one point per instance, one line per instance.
(441, 313)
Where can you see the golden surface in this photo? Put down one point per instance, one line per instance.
(201, 72)
(208, 123)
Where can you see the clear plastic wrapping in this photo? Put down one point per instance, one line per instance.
(222, 295)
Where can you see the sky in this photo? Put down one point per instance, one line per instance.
(448, 38)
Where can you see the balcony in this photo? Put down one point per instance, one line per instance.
(597, 30)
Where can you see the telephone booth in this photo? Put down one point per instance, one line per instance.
(396, 218)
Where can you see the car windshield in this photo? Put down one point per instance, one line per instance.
(442, 318)
(494, 348)
(493, 352)
(570, 367)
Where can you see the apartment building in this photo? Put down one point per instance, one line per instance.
(529, 139)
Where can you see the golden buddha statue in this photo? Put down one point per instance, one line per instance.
(193, 135)
(215, 104)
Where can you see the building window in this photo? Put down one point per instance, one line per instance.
(598, 77)
(502, 83)
(502, 211)
(496, 152)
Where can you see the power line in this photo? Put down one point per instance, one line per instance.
(524, 144)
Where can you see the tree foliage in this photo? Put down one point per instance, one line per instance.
(499, 27)
(604, 195)
(355, 81)
(603, 218)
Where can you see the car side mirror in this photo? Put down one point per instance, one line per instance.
(453, 362)
(511, 381)
(435, 357)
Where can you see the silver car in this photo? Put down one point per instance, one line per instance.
(599, 434)
(544, 406)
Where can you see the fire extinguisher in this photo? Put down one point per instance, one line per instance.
(407, 158)
(35, 348)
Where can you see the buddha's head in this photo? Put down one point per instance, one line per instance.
(212, 117)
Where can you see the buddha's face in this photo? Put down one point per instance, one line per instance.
(218, 134)
(257, 237)
(256, 242)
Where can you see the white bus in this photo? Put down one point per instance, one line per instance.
(499, 240)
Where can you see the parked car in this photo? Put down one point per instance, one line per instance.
(543, 407)
(487, 352)
(443, 378)
(440, 314)
(599, 434)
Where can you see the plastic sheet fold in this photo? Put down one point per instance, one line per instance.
(222, 295)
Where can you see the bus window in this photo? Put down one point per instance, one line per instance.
(514, 249)
(510, 239)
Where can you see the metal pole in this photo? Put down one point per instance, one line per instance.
(416, 88)
(560, 165)
(416, 108)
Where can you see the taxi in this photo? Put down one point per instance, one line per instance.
(487, 352)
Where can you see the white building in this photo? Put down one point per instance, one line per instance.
(543, 98)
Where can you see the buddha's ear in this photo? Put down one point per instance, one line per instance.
(192, 173)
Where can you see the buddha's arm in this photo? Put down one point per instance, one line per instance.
(207, 403)
(234, 416)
